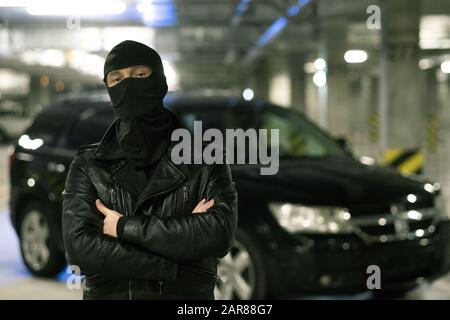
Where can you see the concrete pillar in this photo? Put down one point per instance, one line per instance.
(335, 96)
(280, 84)
(298, 81)
(405, 109)
(286, 79)
(258, 79)
(312, 102)
(433, 167)
(443, 97)
(39, 93)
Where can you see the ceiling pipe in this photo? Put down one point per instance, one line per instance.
(275, 29)
(241, 8)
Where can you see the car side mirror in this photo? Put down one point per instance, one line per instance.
(344, 144)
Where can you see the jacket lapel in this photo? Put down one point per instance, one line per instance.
(166, 178)
(134, 181)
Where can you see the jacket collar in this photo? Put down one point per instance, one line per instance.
(165, 178)
(108, 148)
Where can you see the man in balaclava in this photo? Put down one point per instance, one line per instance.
(144, 126)
(137, 225)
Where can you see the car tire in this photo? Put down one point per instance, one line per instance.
(242, 271)
(38, 245)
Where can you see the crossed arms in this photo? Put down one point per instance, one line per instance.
(150, 247)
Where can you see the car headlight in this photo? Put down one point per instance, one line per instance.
(295, 218)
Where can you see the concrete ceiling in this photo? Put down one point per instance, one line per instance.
(207, 45)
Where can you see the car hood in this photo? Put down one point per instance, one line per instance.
(333, 181)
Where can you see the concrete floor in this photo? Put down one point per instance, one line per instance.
(17, 283)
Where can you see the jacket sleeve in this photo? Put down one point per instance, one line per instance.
(87, 247)
(191, 236)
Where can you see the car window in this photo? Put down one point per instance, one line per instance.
(218, 118)
(90, 127)
(49, 125)
(297, 136)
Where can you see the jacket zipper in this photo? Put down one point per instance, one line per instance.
(185, 198)
(153, 196)
(127, 213)
(112, 197)
(185, 193)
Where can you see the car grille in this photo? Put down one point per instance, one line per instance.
(399, 226)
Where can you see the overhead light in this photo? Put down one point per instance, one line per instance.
(445, 66)
(320, 64)
(248, 94)
(47, 57)
(274, 29)
(76, 8)
(158, 13)
(320, 78)
(355, 56)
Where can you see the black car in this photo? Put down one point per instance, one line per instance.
(313, 228)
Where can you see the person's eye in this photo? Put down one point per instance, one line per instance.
(114, 81)
(140, 75)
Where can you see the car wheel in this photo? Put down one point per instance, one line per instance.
(242, 271)
(37, 242)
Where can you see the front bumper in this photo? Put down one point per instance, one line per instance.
(325, 264)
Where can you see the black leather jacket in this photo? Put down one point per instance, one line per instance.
(165, 251)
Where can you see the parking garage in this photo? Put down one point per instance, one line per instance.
(350, 96)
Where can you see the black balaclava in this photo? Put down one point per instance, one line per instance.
(144, 126)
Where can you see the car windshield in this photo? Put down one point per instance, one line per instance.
(298, 137)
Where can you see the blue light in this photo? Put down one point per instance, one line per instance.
(295, 9)
(162, 13)
(272, 31)
(242, 7)
(280, 23)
